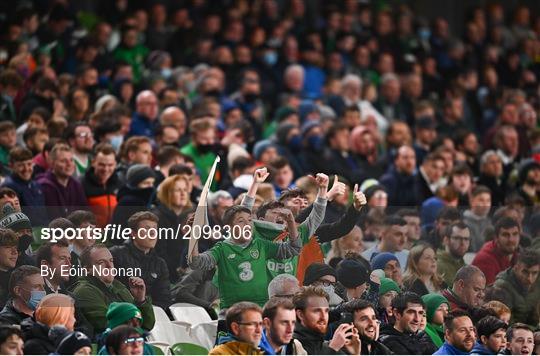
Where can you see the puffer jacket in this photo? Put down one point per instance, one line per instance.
(101, 198)
(36, 338)
(154, 271)
(406, 344)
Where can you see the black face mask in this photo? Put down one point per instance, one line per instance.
(205, 148)
(24, 242)
(213, 93)
(251, 97)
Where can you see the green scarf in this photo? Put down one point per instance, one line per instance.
(436, 333)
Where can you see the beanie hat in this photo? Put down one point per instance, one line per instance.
(137, 173)
(525, 167)
(308, 125)
(120, 312)
(315, 271)
(388, 285)
(432, 302)
(260, 147)
(283, 112)
(282, 132)
(380, 260)
(351, 273)
(369, 192)
(73, 342)
(14, 220)
(429, 210)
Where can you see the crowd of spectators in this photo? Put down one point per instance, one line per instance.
(377, 189)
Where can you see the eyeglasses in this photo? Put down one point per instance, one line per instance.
(284, 295)
(132, 340)
(85, 134)
(326, 283)
(252, 324)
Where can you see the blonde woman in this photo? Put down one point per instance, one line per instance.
(421, 275)
(173, 205)
(352, 242)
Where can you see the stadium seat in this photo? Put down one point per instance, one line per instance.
(188, 349)
(205, 334)
(168, 332)
(190, 313)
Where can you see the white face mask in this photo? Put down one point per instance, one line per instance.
(116, 142)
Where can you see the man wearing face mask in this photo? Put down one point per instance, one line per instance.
(26, 289)
(249, 101)
(20, 224)
(323, 276)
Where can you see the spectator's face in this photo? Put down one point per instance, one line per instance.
(522, 342)
(87, 239)
(64, 165)
(206, 137)
(462, 183)
(146, 235)
(315, 316)
(411, 318)
(406, 160)
(241, 228)
(385, 300)
(510, 142)
(458, 242)
(233, 117)
(340, 141)
(130, 38)
(481, 204)
(493, 166)
(36, 120)
(400, 135)
(12, 199)
(177, 119)
(8, 257)
(296, 204)
(23, 169)
(496, 341)
(367, 324)
(474, 290)
(180, 194)
(392, 91)
(510, 115)
(426, 136)
(462, 335)
(427, 263)
(12, 346)
(133, 345)
(507, 240)
(440, 313)
(526, 275)
(37, 142)
(147, 183)
(352, 241)
(103, 261)
(395, 237)
(84, 139)
(413, 227)
(104, 166)
(351, 118)
(269, 155)
(470, 145)
(60, 256)
(281, 329)
(148, 106)
(80, 101)
(170, 136)
(392, 270)
(284, 177)
(250, 328)
(533, 177)
(29, 284)
(434, 170)
(143, 155)
(8, 139)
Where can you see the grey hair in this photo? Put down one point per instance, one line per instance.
(279, 286)
(466, 273)
(294, 68)
(486, 156)
(214, 197)
(389, 77)
(351, 79)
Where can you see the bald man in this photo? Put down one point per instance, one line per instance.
(145, 117)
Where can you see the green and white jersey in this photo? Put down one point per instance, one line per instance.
(242, 272)
(270, 232)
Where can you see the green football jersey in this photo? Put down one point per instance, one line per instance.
(242, 272)
(267, 232)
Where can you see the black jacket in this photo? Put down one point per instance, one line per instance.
(376, 348)
(4, 284)
(313, 342)
(173, 251)
(406, 344)
(154, 271)
(36, 338)
(11, 316)
(130, 201)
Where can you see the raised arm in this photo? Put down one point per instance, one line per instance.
(316, 216)
(259, 177)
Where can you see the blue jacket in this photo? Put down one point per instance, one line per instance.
(447, 349)
(480, 349)
(142, 126)
(31, 198)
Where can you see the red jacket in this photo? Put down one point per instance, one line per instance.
(492, 261)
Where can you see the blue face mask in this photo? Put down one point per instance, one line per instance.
(316, 142)
(116, 142)
(166, 72)
(35, 297)
(424, 33)
(295, 144)
(270, 58)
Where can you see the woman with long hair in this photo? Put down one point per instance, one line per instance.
(173, 204)
(421, 274)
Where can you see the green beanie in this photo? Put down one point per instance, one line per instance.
(433, 301)
(388, 285)
(120, 313)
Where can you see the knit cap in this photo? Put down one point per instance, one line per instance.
(14, 220)
(73, 342)
(388, 285)
(137, 173)
(315, 271)
(381, 259)
(120, 312)
(432, 302)
(351, 273)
